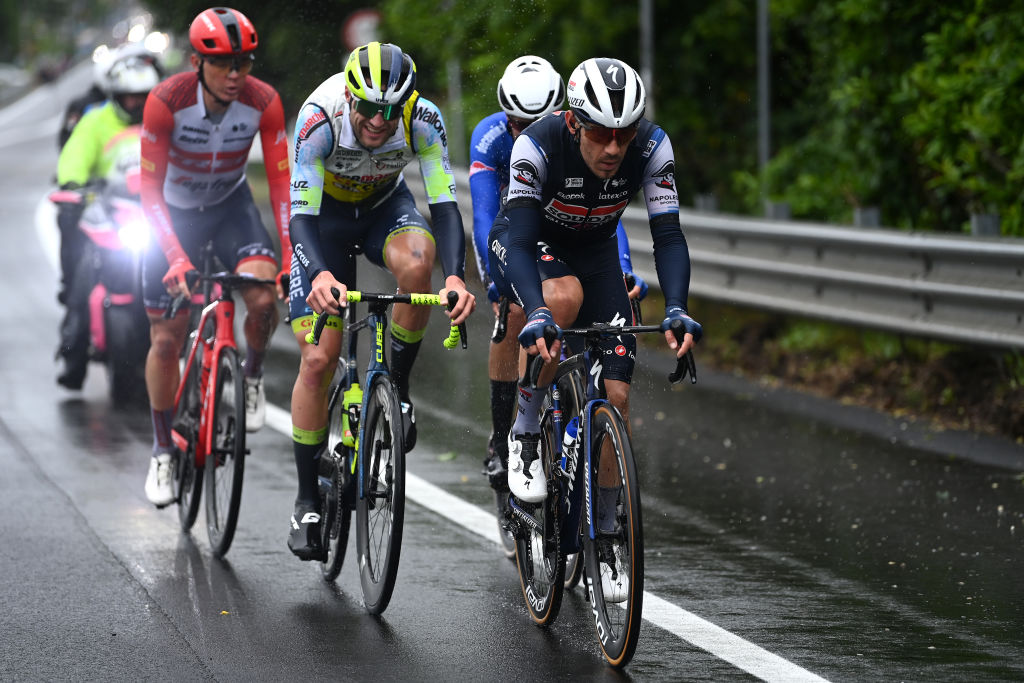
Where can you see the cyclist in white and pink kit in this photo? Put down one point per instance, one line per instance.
(198, 128)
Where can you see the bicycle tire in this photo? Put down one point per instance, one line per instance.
(188, 478)
(539, 557)
(380, 510)
(617, 618)
(225, 465)
(337, 490)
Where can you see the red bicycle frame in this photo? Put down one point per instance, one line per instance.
(223, 312)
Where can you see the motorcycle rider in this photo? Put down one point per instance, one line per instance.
(127, 78)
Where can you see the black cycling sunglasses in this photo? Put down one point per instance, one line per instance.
(240, 63)
(370, 109)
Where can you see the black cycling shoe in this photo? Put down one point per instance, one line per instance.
(496, 466)
(408, 425)
(304, 539)
(75, 367)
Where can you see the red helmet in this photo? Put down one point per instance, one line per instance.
(222, 31)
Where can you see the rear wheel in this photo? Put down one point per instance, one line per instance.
(225, 465)
(615, 555)
(381, 505)
(539, 557)
(188, 478)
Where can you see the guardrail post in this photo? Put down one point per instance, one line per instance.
(867, 216)
(985, 224)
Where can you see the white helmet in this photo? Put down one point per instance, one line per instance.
(530, 88)
(606, 92)
(131, 75)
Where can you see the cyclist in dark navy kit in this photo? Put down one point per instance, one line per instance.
(553, 246)
(529, 88)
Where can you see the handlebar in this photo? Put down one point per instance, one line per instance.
(225, 279)
(684, 366)
(455, 334)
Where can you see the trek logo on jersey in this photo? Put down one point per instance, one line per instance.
(666, 176)
(525, 172)
(434, 119)
(573, 182)
(479, 167)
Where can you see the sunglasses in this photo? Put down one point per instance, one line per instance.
(240, 63)
(390, 112)
(602, 135)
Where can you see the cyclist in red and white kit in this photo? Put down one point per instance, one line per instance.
(198, 128)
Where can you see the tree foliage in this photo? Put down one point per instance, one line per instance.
(905, 105)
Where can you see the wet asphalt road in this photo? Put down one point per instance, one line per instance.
(827, 540)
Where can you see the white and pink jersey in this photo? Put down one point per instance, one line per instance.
(190, 160)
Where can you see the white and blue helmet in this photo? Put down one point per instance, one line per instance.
(606, 92)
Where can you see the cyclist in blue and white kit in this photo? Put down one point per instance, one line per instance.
(354, 135)
(528, 89)
(553, 248)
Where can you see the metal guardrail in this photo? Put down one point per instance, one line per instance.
(955, 288)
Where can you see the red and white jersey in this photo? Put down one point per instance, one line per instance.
(190, 160)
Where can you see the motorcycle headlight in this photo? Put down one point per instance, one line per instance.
(134, 236)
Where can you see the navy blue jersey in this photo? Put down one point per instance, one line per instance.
(489, 155)
(554, 198)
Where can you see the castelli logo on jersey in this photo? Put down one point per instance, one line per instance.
(620, 350)
(478, 166)
(547, 257)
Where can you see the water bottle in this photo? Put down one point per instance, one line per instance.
(352, 401)
(569, 442)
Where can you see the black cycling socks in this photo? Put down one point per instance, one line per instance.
(503, 398)
(307, 464)
(405, 345)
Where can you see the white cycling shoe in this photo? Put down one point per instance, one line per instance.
(160, 480)
(614, 583)
(255, 404)
(525, 475)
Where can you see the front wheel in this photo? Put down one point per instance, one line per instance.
(337, 490)
(380, 511)
(613, 549)
(225, 465)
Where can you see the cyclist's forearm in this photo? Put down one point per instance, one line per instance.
(305, 240)
(671, 259)
(450, 238)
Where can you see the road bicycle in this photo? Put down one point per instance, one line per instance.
(362, 467)
(209, 419)
(599, 481)
(571, 386)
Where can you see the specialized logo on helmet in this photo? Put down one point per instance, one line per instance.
(613, 71)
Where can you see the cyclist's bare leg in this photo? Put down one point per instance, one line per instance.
(618, 396)
(262, 312)
(316, 369)
(503, 357)
(162, 372)
(410, 258)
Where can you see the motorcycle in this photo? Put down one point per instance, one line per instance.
(106, 321)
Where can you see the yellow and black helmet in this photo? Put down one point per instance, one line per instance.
(380, 73)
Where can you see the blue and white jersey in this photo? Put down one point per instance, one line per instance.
(489, 153)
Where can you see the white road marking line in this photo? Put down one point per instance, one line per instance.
(685, 625)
